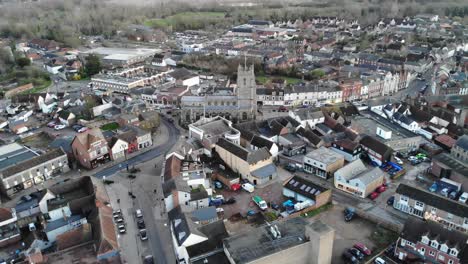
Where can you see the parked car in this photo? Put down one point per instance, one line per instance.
(453, 195)
(349, 213)
(356, 252)
(445, 192)
(59, 127)
(122, 229)
(463, 198)
(141, 224)
(390, 251)
(349, 257)
(51, 124)
(248, 187)
(374, 195)
(235, 187)
(231, 200)
(83, 129)
(434, 187)
(398, 160)
(138, 213)
(391, 200)
(143, 235)
(366, 251)
(119, 220)
(274, 206)
(381, 189)
(218, 185)
(219, 210)
(148, 259)
(379, 260)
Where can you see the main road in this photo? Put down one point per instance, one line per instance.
(173, 136)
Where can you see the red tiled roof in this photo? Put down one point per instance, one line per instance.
(108, 240)
(5, 214)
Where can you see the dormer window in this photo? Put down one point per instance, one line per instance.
(444, 248)
(434, 244)
(425, 240)
(453, 252)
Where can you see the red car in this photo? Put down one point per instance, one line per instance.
(235, 187)
(374, 195)
(381, 189)
(363, 249)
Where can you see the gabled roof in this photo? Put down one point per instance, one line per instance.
(89, 137)
(415, 229)
(374, 144)
(251, 157)
(462, 142)
(261, 142)
(108, 238)
(309, 135)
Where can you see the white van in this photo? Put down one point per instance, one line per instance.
(248, 187)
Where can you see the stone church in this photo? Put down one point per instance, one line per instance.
(239, 105)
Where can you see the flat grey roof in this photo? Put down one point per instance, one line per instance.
(14, 153)
(248, 246)
(324, 155)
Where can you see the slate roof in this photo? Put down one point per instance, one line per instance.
(61, 222)
(431, 199)
(374, 144)
(183, 227)
(27, 164)
(204, 214)
(304, 187)
(260, 142)
(462, 142)
(265, 171)
(309, 135)
(415, 229)
(251, 157)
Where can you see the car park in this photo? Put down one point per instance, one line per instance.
(361, 247)
(143, 235)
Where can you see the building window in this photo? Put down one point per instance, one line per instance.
(423, 251)
(432, 253)
(419, 204)
(450, 261)
(434, 244)
(453, 252)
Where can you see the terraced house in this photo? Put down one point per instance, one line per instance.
(429, 206)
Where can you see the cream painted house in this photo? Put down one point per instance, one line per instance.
(254, 165)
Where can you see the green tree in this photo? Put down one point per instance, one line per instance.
(93, 65)
(23, 62)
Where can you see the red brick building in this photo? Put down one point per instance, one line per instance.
(430, 242)
(351, 89)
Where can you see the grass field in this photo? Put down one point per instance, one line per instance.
(195, 19)
(110, 126)
(42, 84)
(264, 79)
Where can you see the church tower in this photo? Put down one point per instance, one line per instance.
(246, 92)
